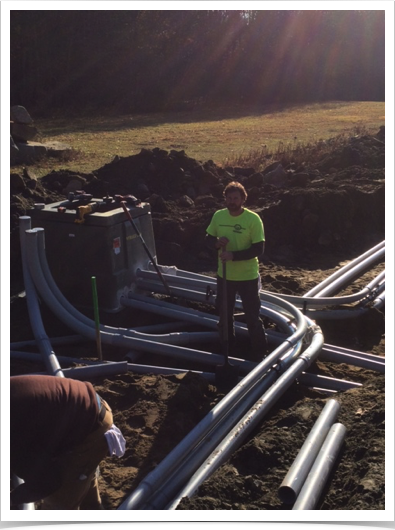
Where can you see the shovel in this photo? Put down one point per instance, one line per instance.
(130, 218)
(226, 375)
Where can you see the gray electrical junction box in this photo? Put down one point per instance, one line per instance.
(102, 243)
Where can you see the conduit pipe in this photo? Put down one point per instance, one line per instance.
(286, 324)
(169, 488)
(175, 458)
(250, 420)
(266, 310)
(348, 276)
(379, 301)
(318, 290)
(184, 459)
(98, 370)
(324, 390)
(180, 276)
(131, 367)
(170, 338)
(354, 360)
(39, 332)
(200, 285)
(312, 380)
(366, 294)
(369, 292)
(347, 351)
(114, 339)
(94, 368)
(338, 314)
(298, 472)
(327, 383)
(197, 296)
(316, 479)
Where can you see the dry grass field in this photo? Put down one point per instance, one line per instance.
(228, 136)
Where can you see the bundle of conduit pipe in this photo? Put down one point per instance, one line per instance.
(298, 344)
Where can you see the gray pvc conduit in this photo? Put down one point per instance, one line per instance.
(379, 301)
(250, 420)
(327, 383)
(343, 276)
(186, 457)
(131, 367)
(320, 302)
(355, 360)
(348, 276)
(311, 380)
(175, 458)
(318, 289)
(297, 474)
(266, 310)
(114, 339)
(347, 351)
(172, 485)
(170, 338)
(201, 282)
(316, 479)
(197, 296)
(209, 320)
(199, 318)
(99, 370)
(337, 314)
(201, 286)
(43, 342)
(148, 281)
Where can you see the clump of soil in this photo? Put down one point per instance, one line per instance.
(314, 224)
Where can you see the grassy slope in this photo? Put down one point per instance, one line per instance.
(224, 135)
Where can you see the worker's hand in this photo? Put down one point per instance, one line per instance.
(222, 242)
(226, 255)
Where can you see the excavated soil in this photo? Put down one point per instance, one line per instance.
(314, 224)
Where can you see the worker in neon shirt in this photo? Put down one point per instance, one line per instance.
(238, 235)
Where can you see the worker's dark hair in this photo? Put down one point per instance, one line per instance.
(235, 186)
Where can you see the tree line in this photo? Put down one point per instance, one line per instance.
(145, 61)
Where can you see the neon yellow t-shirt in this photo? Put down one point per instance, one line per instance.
(242, 231)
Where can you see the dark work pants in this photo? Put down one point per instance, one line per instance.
(248, 291)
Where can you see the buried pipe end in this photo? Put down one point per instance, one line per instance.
(286, 494)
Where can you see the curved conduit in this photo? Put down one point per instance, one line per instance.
(33, 306)
(120, 339)
(316, 297)
(170, 338)
(154, 347)
(206, 289)
(229, 422)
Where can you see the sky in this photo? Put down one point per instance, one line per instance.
(287, 517)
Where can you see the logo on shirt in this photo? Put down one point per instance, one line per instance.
(236, 228)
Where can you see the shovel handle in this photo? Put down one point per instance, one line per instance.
(224, 311)
(130, 218)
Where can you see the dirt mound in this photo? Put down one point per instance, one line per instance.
(330, 206)
(316, 216)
